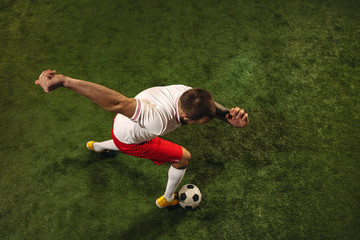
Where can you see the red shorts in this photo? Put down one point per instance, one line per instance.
(157, 149)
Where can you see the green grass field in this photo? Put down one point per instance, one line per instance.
(294, 66)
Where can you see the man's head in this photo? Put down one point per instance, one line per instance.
(197, 106)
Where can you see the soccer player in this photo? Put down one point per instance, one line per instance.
(152, 113)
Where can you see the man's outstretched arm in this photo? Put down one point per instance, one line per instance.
(109, 99)
(235, 116)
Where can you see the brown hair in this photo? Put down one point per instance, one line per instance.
(198, 103)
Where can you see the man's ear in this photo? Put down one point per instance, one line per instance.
(183, 115)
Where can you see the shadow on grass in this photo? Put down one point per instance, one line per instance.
(102, 172)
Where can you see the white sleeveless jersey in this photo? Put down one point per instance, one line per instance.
(156, 114)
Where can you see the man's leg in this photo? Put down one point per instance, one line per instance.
(175, 175)
(161, 151)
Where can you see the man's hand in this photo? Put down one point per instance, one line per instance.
(237, 117)
(49, 81)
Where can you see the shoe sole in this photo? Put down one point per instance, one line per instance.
(109, 153)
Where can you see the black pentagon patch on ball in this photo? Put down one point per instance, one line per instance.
(182, 196)
(195, 197)
(190, 186)
(188, 208)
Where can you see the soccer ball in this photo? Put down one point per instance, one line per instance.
(189, 196)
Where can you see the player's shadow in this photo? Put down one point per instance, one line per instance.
(157, 222)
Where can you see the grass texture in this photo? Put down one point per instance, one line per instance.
(293, 173)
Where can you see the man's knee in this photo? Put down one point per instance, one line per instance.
(186, 155)
(184, 162)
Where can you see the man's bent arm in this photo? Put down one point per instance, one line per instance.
(235, 116)
(221, 111)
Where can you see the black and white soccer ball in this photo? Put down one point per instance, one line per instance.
(189, 196)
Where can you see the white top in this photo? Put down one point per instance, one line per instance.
(156, 114)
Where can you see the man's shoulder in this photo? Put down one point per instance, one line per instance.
(175, 89)
(179, 87)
